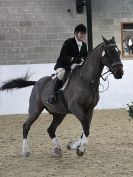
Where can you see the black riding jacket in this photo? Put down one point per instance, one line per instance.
(69, 50)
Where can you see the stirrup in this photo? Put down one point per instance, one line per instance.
(52, 99)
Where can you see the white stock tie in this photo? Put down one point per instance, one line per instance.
(79, 46)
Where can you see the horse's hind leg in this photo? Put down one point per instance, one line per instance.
(34, 112)
(57, 119)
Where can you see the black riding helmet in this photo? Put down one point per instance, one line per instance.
(80, 28)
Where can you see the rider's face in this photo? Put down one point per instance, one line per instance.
(81, 36)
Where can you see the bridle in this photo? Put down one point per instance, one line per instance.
(112, 65)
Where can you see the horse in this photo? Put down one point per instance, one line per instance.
(80, 101)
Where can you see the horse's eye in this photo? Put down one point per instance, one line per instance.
(112, 49)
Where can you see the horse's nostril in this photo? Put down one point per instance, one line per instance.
(118, 75)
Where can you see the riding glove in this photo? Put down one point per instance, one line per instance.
(76, 60)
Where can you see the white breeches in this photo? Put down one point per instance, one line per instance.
(60, 73)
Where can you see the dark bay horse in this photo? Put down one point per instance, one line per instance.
(79, 97)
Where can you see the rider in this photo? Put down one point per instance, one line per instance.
(74, 50)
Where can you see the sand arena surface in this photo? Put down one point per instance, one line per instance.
(109, 152)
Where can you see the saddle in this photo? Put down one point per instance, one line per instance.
(65, 79)
(59, 86)
(67, 75)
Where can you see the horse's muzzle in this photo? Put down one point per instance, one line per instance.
(118, 71)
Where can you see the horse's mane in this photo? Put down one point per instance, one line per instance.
(98, 46)
(93, 51)
(92, 54)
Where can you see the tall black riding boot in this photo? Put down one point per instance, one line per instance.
(57, 86)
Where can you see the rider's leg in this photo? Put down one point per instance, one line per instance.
(60, 72)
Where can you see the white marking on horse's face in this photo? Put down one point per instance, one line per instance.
(116, 49)
(103, 53)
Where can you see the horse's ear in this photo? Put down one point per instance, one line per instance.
(105, 40)
(113, 39)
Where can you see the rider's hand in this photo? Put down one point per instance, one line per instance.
(82, 59)
(76, 60)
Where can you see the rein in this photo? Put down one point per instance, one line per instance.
(104, 74)
(105, 79)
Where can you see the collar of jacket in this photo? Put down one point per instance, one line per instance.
(79, 43)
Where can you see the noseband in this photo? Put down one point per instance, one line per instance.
(119, 63)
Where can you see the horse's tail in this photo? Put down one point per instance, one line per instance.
(17, 83)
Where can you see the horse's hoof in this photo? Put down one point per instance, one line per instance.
(69, 146)
(26, 154)
(79, 152)
(57, 153)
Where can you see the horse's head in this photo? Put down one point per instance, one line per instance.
(111, 58)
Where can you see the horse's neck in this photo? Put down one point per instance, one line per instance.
(92, 68)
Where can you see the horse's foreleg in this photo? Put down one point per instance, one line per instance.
(81, 142)
(86, 131)
(57, 119)
(85, 119)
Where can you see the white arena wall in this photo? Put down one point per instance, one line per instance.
(120, 92)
